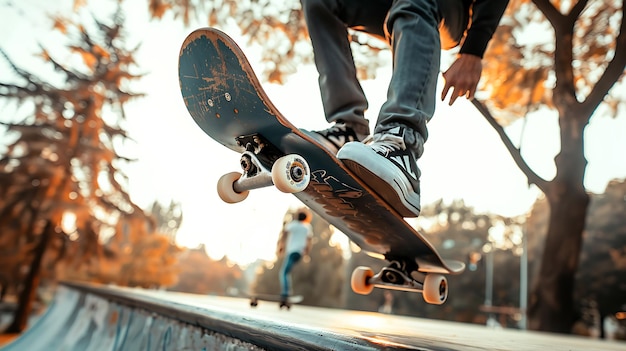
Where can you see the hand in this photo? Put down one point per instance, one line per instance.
(463, 75)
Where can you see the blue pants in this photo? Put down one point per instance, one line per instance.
(412, 29)
(285, 273)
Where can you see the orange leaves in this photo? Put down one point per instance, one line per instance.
(45, 55)
(88, 58)
(60, 24)
(521, 69)
(158, 8)
(66, 144)
(78, 4)
(516, 71)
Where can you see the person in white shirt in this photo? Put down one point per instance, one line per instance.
(294, 243)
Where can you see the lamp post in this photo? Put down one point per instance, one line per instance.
(488, 249)
(523, 281)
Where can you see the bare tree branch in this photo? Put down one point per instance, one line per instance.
(577, 9)
(552, 14)
(613, 72)
(533, 178)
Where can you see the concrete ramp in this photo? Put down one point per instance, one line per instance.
(88, 317)
(78, 320)
(85, 317)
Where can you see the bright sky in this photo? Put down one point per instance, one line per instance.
(464, 158)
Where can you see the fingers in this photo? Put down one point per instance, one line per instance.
(445, 90)
(471, 92)
(453, 97)
(456, 86)
(462, 77)
(456, 93)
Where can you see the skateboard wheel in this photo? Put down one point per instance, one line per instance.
(226, 191)
(291, 174)
(360, 280)
(435, 289)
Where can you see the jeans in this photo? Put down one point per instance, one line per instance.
(411, 27)
(285, 273)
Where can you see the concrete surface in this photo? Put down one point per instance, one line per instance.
(85, 317)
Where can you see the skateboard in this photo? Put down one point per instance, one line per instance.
(291, 300)
(224, 97)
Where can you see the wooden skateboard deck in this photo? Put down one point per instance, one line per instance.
(226, 100)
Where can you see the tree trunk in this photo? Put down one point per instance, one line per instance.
(551, 306)
(31, 283)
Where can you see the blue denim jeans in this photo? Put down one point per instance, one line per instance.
(411, 27)
(285, 273)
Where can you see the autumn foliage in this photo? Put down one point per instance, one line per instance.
(63, 196)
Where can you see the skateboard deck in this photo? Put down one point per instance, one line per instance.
(226, 100)
(291, 300)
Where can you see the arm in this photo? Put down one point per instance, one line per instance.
(309, 240)
(486, 15)
(464, 74)
(280, 245)
(307, 249)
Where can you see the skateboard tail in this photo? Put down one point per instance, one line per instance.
(221, 91)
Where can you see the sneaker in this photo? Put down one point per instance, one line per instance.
(386, 165)
(341, 133)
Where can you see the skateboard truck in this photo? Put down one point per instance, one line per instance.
(289, 173)
(434, 287)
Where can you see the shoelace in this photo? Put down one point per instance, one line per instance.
(336, 128)
(385, 143)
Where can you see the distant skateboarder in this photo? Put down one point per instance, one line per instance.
(294, 243)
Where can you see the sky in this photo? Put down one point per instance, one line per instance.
(464, 158)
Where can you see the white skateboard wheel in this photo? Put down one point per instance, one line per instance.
(291, 174)
(360, 280)
(435, 289)
(226, 191)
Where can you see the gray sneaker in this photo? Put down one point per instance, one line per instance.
(386, 165)
(335, 137)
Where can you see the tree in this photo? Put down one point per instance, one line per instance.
(168, 219)
(573, 74)
(600, 278)
(199, 274)
(62, 192)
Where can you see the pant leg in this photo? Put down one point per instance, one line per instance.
(328, 22)
(412, 26)
(285, 273)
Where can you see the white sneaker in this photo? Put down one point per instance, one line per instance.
(386, 165)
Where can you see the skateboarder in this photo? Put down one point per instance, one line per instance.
(294, 242)
(416, 31)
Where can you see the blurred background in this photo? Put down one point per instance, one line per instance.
(105, 178)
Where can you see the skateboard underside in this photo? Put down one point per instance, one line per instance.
(225, 99)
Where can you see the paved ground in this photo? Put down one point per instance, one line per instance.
(127, 319)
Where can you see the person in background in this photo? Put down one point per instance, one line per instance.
(294, 243)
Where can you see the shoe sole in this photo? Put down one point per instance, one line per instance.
(373, 169)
